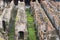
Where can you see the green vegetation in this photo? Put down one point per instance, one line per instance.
(31, 27)
(12, 25)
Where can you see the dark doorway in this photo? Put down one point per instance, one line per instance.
(4, 25)
(21, 0)
(39, 1)
(21, 35)
(27, 2)
(33, 0)
(16, 2)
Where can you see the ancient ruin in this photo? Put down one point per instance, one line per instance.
(29, 19)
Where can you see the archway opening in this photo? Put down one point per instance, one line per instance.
(33, 0)
(39, 1)
(21, 35)
(4, 25)
(16, 2)
(27, 2)
(56, 0)
(21, 0)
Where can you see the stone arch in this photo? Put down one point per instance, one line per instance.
(21, 35)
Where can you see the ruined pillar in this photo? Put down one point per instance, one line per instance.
(6, 15)
(1, 4)
(20, 24)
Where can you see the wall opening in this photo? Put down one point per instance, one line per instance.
(21, 35)
(16, 2)
(39, 1)
(27, 2)
(21, 0)
(33, 0)
(4, 25)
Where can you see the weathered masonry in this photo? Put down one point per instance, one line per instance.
(53, 13)
(20, 24)
(46, 31)
(5, 15)
(27, 2)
